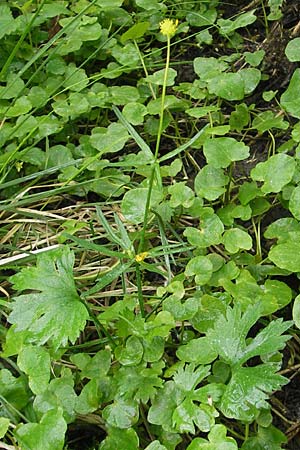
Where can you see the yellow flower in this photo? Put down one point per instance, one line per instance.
(141, 256)
(168, 27)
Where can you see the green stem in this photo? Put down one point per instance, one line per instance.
(159, 134)
(139, 288)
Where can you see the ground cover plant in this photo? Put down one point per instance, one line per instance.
(150, 224)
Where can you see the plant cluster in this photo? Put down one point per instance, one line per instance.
(150, 207)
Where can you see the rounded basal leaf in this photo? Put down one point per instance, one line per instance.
(134, 112)
(294, 203)
(296, 311)
(208, 68)
(121, 413)
(251, 78)
(290, 100)
(132, 353)
(136, 31)
(120, 439)
(210, 182)
(276, 172)
(159, 77)
(121, 95)
(110, 140)
(292, 50)
(202, 267)
(236, 239)
(281, 229)
(221, 152)
(35, 362)
(229, 86)
(210, 232)
(134, 203)
(49, 434)
(286, 256)
(181, 195)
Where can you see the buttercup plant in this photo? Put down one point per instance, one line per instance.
(150, 225)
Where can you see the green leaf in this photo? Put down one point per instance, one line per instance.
(120, 439)
(210, 182)
(228, 337)
(121, 95)
(217, 440)
(48, 434)
(296, 311)
(109, 3)
(60, 393)
(202, 267)
(8, 25)
(89, 399)
(134, 203)
(54, 312)
(174, 409)
(276, 172)
(294, 203)
(251, 78)
(126, 55)
(121, 413)
(140, 383)
(269, 438)
(14, 390)
(239, 118)
(181, 195)
(35, 362)
(286, 256)
(227, 26)
(21, 106)
(155, 445)
(282, 229)
(135, 32)
(292, 50)
(208, 68)
(266, 120)
(229, 86)
(132, 353)
(289, 100)
(209, 310)
(221, 152)
(4, 425)
(110, 139)
(211, 229)
(197, 351)
(255, 58)
(251, 386)
(236, 239)
(159, 77)
(134, 112)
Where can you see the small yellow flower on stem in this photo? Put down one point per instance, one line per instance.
(141, 256)
(168, 27)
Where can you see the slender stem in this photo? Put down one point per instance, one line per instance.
(139, 288)
(246, 431)
(158, 139)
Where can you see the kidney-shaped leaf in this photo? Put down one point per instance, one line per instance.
(221, 152)
(290, 99)
(276, 172)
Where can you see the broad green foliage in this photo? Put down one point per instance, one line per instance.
(54, 312)
(164, 169)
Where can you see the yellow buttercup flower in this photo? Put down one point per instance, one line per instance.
(141, 256)
(168, 27)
